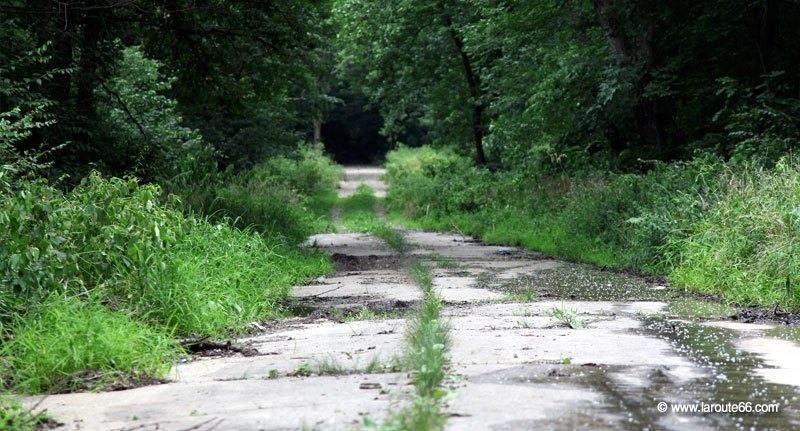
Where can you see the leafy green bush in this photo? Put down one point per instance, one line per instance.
(106, 236)
(288, 197)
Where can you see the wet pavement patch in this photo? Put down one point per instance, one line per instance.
(690, 308)
(577, 282)
(733, 376)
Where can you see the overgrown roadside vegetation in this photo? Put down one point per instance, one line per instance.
(660, 137)
(103, 277)
(108, 255)
(358, 215)
(722, 228)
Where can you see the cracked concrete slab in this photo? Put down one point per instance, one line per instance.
(326, 402)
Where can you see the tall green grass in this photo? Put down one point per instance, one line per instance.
(748, 246)
(67, 340)
(95, 282)
(727, 229)
(219, 279)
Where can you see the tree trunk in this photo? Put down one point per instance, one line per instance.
(317, 132)
(765, 33)
(473, 82)
(652, 115)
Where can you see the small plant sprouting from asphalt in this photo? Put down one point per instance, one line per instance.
(522, 323)
(524, 295)
(365, 313)
(444, 262)
(332, 367)
(302, 370)
(568, 318)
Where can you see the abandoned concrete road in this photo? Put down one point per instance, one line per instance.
(537, 344)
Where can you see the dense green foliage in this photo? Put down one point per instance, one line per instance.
(728, 229)
(554, 85)
(246, 76)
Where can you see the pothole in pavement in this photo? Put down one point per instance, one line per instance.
(349, 263)
(349, 308)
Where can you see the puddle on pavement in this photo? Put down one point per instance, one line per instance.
(631, 393)
(734, 375)
(577, 282)
(727, 372)
(789, 333)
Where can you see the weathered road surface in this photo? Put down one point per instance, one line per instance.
(513, 364)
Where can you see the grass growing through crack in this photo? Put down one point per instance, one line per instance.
(444, 262)
(428, 343)
(568, 318)
(13, 416)
(521, 296)
(365, 313)
(392, 237)
(331, 367)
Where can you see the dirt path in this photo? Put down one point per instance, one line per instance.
(514, 364)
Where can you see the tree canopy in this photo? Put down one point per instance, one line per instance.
(534, 83)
